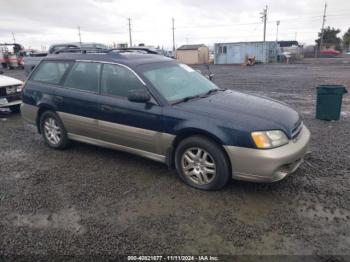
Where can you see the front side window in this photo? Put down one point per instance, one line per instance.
(118, 81)
(50, 72)
(176, 81)
(84, 76)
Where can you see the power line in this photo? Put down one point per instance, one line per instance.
(298, 19)
(295, 20)
(285, 21)
(290, 32)
(218, 25)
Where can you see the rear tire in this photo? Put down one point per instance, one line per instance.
(15, 109)
(53, 131)
(201, 163)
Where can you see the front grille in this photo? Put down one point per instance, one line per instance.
(3, 93)
(297, 129)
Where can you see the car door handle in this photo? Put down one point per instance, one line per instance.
(58, 99)
(106, 108)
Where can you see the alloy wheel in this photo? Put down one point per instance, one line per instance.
(198, 165)
(52, 131)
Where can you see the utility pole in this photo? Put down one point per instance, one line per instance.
(277, 23)
(323, 22)
(264, 18)
(318, 48)
(79, 35)
(173, 21)
(130, 40)
(13, 37)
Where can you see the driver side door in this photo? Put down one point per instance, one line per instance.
(126, 123)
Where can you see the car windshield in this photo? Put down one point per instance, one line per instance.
(177, 82)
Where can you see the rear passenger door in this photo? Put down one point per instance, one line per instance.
(126, 123)
(78, 100)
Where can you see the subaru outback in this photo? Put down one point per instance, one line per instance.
(158, 108)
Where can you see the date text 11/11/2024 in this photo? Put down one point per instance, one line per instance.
(173, 258)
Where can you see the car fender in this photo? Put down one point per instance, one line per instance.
(200, 127)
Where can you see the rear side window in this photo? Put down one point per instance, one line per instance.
(50, 72)
(118, 81)
(84, 76)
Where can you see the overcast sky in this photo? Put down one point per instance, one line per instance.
(42, 22)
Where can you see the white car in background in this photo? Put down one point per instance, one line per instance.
(10, 93)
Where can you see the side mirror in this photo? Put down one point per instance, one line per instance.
(139, 96)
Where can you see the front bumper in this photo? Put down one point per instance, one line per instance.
(12, 103)
(268, 165)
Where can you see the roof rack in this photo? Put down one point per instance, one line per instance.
(71, 49)
(143, 50)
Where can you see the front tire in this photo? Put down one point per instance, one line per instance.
(53, 131)
(202, 163)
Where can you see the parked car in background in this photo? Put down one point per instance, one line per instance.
(10, 93)
(157, 108)
(330, 52)
(29, 62)
(84, 46)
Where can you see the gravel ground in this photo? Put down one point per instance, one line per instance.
(93, 201)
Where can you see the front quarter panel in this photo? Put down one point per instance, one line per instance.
(177, 121)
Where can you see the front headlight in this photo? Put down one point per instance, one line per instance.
(269, 139)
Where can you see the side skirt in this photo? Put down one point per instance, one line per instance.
(97, 142)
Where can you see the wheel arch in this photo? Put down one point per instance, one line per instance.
(188, 132)
(42, 108)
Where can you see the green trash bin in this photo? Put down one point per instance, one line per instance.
(329, 100)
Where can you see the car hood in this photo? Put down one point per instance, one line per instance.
(9, 81)
(244, 111)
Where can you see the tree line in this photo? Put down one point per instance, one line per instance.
(331, 39)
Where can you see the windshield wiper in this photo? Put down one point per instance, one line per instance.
(188, 98)
(212, 91)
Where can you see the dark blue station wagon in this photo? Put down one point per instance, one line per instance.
(158, 108)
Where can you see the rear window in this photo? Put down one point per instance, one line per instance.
(50, 72)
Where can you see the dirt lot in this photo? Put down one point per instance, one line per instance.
(89, 200)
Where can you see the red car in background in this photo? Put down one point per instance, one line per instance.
(331, 52)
